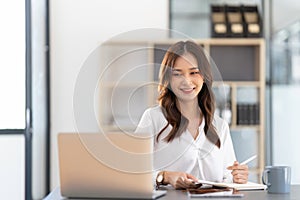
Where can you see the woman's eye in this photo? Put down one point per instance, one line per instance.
(176, 74)
(194, 73)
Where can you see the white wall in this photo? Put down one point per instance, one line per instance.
(76, 28)
(285, 13)
(286, 131)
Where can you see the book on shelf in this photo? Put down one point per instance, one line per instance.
(256, 111)
(242, 118)
(251, 114)
(247, 114)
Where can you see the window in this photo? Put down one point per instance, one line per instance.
(12, 64)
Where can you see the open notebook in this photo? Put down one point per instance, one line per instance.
(237, 186)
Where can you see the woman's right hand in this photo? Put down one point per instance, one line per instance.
(181, 180)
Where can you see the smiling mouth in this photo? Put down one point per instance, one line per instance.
(187, 90)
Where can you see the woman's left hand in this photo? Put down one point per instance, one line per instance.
(239, 172)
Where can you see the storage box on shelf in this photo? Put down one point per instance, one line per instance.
(218, 21)
(235, 21)
(129, 86)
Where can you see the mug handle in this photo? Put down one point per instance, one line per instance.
(265, 176)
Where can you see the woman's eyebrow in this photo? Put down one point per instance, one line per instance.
(179, 70)
(193, 68)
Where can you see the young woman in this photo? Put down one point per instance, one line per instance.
(191, 143)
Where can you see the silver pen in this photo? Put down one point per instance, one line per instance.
(248, 160)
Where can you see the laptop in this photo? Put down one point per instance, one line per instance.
(113, 165)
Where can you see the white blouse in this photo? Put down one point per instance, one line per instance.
(198, 157)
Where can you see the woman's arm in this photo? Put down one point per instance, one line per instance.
(179, 180)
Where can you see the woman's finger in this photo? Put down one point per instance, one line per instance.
(240, 180)
(190, 184)
(243, 176)
(235, 164)
(189, 176)
(236, 167)
(183, 183)
(180, 183)
(235, 172)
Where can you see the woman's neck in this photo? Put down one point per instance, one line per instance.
(190, 109)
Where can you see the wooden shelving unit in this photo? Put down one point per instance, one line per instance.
(128, 86)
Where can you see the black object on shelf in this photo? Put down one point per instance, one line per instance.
(235, 21)
(256, 113)
(219, 21)
(240, 114)
(251, 113)
(247, 114)
(252, 21)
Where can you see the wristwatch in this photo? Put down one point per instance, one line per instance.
(160, 179)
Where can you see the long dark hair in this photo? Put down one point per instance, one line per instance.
(167, 98)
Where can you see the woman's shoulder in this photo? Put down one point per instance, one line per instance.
(218, 119)
(153, 116)
(154, 113)
(155, 110)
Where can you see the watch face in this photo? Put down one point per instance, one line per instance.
(159, 178)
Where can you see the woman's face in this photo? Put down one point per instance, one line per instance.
(186, 80)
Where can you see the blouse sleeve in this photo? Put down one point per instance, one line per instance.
(229, 154)
(145, 125)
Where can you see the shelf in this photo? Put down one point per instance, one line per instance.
(241, 62)
(236, 41)
(237, 83)
(129, 85)
(113, 128)
(243, 127)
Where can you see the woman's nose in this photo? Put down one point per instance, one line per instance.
(187, 79)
